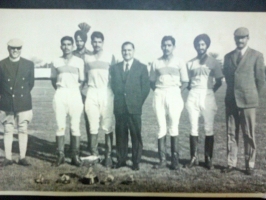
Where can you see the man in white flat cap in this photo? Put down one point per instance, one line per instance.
(244, 75)
(16, 83)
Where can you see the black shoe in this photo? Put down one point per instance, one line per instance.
(7, 162)
(208, 163)
(228, 169)
(193, 162)
(24, 162)
(161, 165)
(249, 171)
(135, 167)
(120, 164)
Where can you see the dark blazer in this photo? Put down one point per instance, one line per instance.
(245, 80)
(131, 94)
(16, 98)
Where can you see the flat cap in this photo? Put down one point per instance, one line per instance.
(241, 32)
(15, 43)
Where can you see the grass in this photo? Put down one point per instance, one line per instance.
(41, 153)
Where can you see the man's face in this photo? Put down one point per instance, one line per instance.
(201, 47)
(14, 52)
(241, 42)
(79, 43)
(167, 47)
(128, 52)
(67, 47)
(97, 44)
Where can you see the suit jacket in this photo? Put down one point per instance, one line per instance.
(129, 95)
(245, 80)
(17, 97)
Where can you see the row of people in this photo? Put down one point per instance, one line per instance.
(109, 88)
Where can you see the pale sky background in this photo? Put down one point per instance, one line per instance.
(42, 29)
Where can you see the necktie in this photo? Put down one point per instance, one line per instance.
(239, 57)
(126, 71)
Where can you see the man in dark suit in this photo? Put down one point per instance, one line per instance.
(130, 84)
(244, 75)
(16, 83)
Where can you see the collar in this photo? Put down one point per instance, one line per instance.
(243, 51)
(129, 63)
(14, 60)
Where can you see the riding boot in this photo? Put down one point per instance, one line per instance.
(108, 150)
(209, 140)
(75, 151)
(193, 151)
(162, 153)
(94, 144)
(174, 153)
(60, 141)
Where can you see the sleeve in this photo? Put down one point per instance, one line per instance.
(260, 73)
(183, 72)
(153, 76)
(145, 83)
(1, 78)
(225, 68)
(32, 78)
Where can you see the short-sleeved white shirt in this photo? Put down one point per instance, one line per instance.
(69, 73)
(202, 75)
(170, 75)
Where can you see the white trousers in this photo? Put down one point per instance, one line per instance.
(168, 102)
(99, 107)
(68, 102)
(201, 102)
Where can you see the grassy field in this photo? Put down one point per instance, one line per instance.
(41, 153)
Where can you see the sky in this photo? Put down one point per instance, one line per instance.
(42, 29)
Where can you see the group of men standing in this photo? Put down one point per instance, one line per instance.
(91, 82)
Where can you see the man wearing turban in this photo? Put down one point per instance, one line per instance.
(81, 39)
(202, 71)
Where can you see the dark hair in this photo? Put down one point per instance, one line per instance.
(168, 37)
(203, 37)
(67, 38)
(128, 43)
(97, 34)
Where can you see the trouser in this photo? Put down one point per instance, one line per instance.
(87, 125)
(201, 102)
(132, 123)
(22, 119)
(99, 109)
(168, 101)
(67, 101)
(246, 118)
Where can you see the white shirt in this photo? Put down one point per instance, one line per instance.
(69, 73)
(243, 51)
(129, 64)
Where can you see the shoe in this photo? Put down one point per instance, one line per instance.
(249, 171)
(193, 140)
(7, 162)
(108, 150)
(75, 151)
(174, 153)
(228, 169)
(209, 141)
(193, 162)
(120, 164)
(135, 167)
(161, 153)
(24, 162)
(60, 140)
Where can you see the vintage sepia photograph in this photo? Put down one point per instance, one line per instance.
(115, 102)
